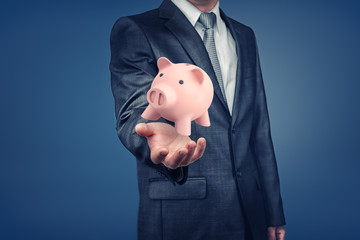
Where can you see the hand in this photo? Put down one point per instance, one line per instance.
(169, 147)
(276, 233)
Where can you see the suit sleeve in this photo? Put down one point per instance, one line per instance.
(133, 67)
(265, 154)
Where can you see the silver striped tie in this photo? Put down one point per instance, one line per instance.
(208, 20)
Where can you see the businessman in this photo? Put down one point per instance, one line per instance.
(222, 181)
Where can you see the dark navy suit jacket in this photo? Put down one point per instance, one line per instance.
(237, 176)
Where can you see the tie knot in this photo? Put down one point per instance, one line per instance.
(207, 19)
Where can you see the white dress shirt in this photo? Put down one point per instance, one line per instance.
(225, 45)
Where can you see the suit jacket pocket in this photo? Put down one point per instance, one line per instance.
(193, 188)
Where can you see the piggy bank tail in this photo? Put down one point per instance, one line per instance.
(150, 114)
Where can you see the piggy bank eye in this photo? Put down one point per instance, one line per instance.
(161, 74)
(181, 82)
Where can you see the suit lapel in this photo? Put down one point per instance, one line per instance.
(239, 40)
(191, 42)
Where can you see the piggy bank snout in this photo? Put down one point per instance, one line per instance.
(156, 97)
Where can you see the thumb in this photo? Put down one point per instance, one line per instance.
(143, 129)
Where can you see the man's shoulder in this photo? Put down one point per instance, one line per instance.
(148, 18)
(240, 27)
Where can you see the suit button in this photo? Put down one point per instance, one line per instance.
(239, 173)
(233, 130)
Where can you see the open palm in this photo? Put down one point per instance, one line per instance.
(168, 147)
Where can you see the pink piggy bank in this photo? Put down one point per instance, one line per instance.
(180, 93)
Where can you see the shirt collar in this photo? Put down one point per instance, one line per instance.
(192, 13)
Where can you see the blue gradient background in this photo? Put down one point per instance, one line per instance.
(65, 175)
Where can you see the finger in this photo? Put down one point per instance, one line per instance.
(191, 146)
(280, 236)
(143, 129)
(158, 155)
(174, 161)
(271, 233)
(199, 150)
(280, 233)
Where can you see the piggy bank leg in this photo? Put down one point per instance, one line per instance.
(183, 126)
(150, 113)
(203, 120)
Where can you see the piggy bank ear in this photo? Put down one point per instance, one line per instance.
(198, 75)
(163, 62)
